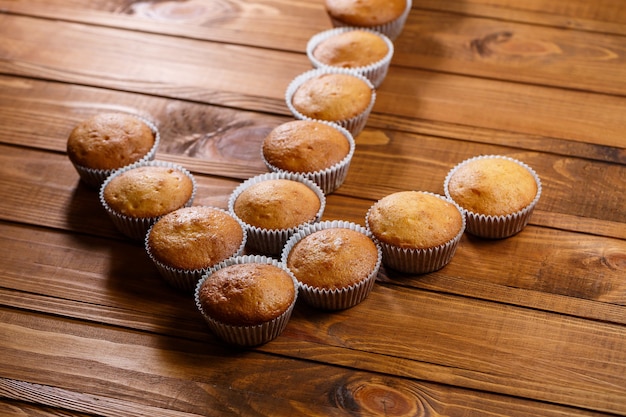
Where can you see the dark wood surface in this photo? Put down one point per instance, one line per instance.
(533, 325)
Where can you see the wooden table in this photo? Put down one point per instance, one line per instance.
(533, 325)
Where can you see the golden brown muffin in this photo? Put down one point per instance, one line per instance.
(351, 49)
(148, 191)
(277, 204)
(333, 258)
(246, 294)
(332, 97)
(193, 238)
(109, 141)
(492, 186)
(365, 13)
(414, 220)
(305, 146)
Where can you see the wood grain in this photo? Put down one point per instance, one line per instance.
(140, 360)
(416, 94)
(530, 325)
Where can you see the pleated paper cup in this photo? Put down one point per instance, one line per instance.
(339, 298)
(355, 124)
(95, 177)
(271, 241)
(245, 336)
(331, 178)
(136, 228)
(496, 227)
(186, 280)
(375, 72)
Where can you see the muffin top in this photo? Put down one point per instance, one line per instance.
(414, 220)
(492, 186)
(247, 294)
(365, 13)
(193, 238)
(109, 141)
(351, 49)
(277, 204)
(305, 146)
(148, 191)
(332, 97)
(333, 258)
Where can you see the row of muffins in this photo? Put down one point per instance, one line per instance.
(413, 229)
(388, 221)
(349, 61)
(152, 200)
(333, 265)
(284, 292)
(161, 243)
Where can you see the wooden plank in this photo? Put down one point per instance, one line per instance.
(197, 378)
(504, 50)
(264, 23)
(11, 408)
(41, 114)
(218, 74)
(487, 337)
(604, 16)
(439, 41)
(261, 23)
(408, 162)
(131, 289)
(81, 279)
(22, 172)
(536, 110)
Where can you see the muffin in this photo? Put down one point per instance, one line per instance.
(360, 50)
(496, 193)
(334, 95)
(109, 141)
(186, 242)
(273, 206)
(334, 262)
(320, 151)
(418, 231)
(385, 16)
(247, 300)
(136, 196)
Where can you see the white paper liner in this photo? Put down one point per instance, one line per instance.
(496, 227)
(375, 72)
(271, 241)
(331, 178)
(340, 298)
(247, 335)
(95, 177)
(187, 279)
(420, 261)
(136, 228)
(391, 29)
(355, 124)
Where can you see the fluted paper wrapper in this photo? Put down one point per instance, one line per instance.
(391, 29)
(136, 228)
(95, 177)
(420, 261)
(496, 227)
(375, 72)
(355, 124)
(331, 178)
(340, 298)
(271, 241)
(187, 279)
(247, 335)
